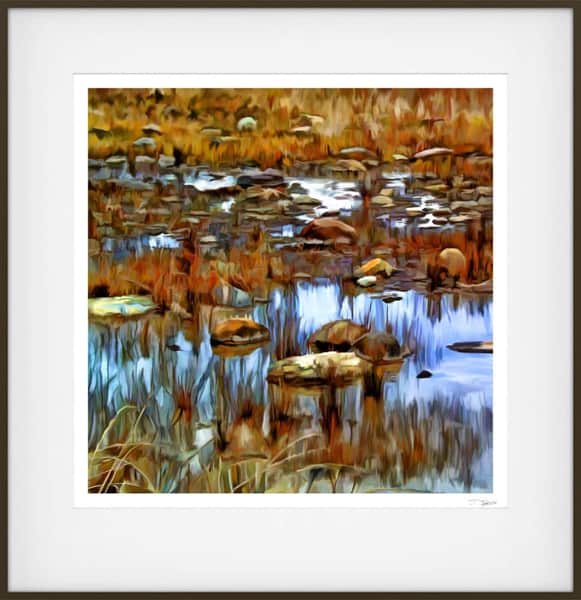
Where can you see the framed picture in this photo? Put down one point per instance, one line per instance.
(289, 296)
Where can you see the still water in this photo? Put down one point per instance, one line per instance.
(441, 425)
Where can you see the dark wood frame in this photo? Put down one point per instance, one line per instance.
(6, 5)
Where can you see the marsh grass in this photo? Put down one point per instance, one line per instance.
(385, 121)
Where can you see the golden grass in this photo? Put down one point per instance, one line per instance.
(386, 121)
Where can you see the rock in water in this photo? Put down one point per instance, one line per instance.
(296, 188)
(453, 261)
(432, 152)
(337, 335)
(121, 306)
(329, 228)
(317, 369)
(472, 347)
(375, 266)
(262, 179)
(357, 153)
(234, 332)
(377, 347)
(424, 374)
(367, 281)
(389, 298)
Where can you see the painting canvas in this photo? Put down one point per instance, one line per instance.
(290, 291)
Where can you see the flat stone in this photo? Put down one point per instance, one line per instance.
(367, 281)
(472, 347)
(123, 306)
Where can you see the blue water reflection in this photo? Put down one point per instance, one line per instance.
(146, 360)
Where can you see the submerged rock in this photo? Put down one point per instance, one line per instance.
(234, 332)
(472, 347)
(329, 228)
(336, 336)
(342, 368)
(424, 374)
(122, 306)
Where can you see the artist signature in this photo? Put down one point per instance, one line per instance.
(482, 502)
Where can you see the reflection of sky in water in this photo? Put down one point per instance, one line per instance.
(116, 355)
(206, 182)
(334, 195)
(126, 246)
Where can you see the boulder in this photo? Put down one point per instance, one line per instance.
(452, 261)
(234, 332)
(329, 228)
(336, 336)
(378, 347)
(312, 370)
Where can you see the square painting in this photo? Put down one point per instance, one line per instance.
(290, 290)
